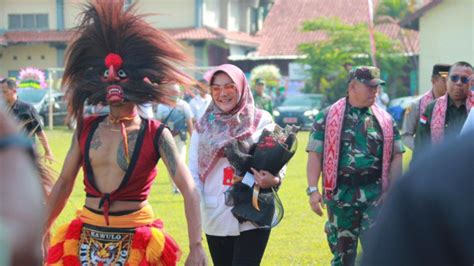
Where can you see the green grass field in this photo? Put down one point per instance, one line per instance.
(298, 240)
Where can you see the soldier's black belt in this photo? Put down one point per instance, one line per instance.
(359, 180)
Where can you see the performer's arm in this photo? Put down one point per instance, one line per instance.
(313, 171)
(63, 187)
(183, 180)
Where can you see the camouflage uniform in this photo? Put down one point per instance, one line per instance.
(352, 209)
(264, 102)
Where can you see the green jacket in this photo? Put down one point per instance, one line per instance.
(264, 102)
(455, 117)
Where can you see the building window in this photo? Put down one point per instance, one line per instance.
(42, 21)
(28, 22)
(14, 22)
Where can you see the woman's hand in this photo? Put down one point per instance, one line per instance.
(265, 179)
(197, 256)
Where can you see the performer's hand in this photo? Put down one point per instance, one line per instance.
(316, 203)
(265, 179)
(196, 256)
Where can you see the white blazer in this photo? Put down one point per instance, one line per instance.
(217, 218)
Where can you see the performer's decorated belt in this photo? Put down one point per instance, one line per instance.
(104, 246)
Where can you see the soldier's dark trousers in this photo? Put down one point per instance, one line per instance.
(345, 226)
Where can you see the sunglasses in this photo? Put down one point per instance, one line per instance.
(456, 78)
(228, 88)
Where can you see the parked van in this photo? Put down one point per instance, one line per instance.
(39, 98)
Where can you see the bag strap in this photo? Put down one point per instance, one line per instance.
(168, 117)
(277, 200)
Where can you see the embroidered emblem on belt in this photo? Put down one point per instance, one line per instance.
(104, 246)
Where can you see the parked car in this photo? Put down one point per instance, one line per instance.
(40, 100)
(398, 106)
(299, 110)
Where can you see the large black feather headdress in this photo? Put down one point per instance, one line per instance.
(114, 47)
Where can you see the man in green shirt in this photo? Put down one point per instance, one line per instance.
(446, 115)
(261, 99)
(416, 109)
(357, 148)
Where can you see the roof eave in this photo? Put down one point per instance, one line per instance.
(241, 43)
(265, 57)
(419, 13)
(36, 42)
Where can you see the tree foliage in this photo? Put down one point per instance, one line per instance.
(397, 9)
(268, 73)
(349, 44)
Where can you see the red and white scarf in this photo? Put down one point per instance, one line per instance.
(332, 141)
(438, 118)
(426, 99)
(217, 129)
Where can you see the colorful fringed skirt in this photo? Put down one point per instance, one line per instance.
(129, 240)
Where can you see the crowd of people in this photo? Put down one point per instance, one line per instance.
(120, 61)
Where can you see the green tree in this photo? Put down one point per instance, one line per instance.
(396, 9)
(349, 44)
(268, 73)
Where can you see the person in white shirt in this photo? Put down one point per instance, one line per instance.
(202, 100)
(230, 116)
(179, 120)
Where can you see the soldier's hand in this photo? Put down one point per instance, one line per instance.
(316, 203)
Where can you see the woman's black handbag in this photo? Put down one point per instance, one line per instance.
(271, 210)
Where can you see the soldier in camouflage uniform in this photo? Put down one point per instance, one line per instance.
(261, 99)
(353, 202)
